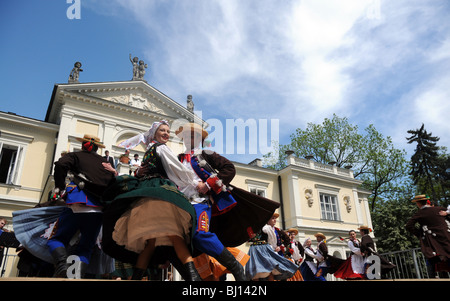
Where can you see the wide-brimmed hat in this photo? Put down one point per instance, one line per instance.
(193, 127)
(319, 234)
(92, 139)
(365, 228)
(420, 197)
(292, 230)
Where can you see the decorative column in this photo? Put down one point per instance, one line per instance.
(62, 143)
(108, 134)
(294, 220)
(358, 207)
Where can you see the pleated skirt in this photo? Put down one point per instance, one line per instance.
(265, 261)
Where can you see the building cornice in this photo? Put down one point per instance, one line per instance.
(84, 91)
(108, 104)
(301, 170)
(14, 120)
(263, 170)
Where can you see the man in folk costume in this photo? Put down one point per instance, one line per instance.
(367, 248)
(83, 196)
(225, 216)
(298, 251)
(433, 232)
(295, 253)
(322, 256)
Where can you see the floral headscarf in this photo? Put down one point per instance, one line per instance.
(145, 138)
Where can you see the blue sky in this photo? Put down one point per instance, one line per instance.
(377, 62)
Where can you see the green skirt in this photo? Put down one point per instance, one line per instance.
(121, 197)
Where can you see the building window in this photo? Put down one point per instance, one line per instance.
(258, 191)
(9, 162)
(329, 207)
(257, 187)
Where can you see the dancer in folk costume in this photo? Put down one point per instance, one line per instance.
(277, 238)
(321, 256)
(353, 268)
(298, 251)
(212, 270)
(295, 253)
(224, 213)
(308, 268)
(265, 260)
(148, 213)
(83, 196)
(80, 179)
(367, 248)
(434, 233)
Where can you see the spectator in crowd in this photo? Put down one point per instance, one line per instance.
(109, 159)
(125, 157)
(134, 163)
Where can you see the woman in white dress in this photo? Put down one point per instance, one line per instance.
(353, 267)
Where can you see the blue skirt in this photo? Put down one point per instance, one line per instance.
(310, 272)
(264, 261)
(33, 227)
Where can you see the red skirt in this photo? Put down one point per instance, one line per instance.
(345, 271)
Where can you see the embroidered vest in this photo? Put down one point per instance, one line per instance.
(152, 159)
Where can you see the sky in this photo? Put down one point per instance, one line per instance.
(385, 63)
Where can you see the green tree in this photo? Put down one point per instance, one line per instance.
(335, 140)
(373, 157)
(389, 218)
(443, 178)
(384, 167)
(424, 161)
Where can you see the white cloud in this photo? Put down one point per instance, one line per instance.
(428, 104)
(373, 61)
(317, 29)
(401, 69)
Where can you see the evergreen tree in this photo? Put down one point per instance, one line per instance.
(443, 179)
(425, 160)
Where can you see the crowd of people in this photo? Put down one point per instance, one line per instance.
(178, 209)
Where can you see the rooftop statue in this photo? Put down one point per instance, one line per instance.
(75, 73)
(138, 68)
(190, 104)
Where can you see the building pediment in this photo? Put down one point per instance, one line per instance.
(137, 96)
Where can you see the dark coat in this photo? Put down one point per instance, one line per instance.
(367, 247)
(249, 215)
(87, 163)
(323, 248)
(110, 160)
(433, 233)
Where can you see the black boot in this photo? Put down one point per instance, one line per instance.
(192, 271)
(138, 274)
(229, 261)
(60, 256)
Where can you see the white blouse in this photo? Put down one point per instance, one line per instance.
(357, 259)
(354, 249)
(271, 236)
(177, 172)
